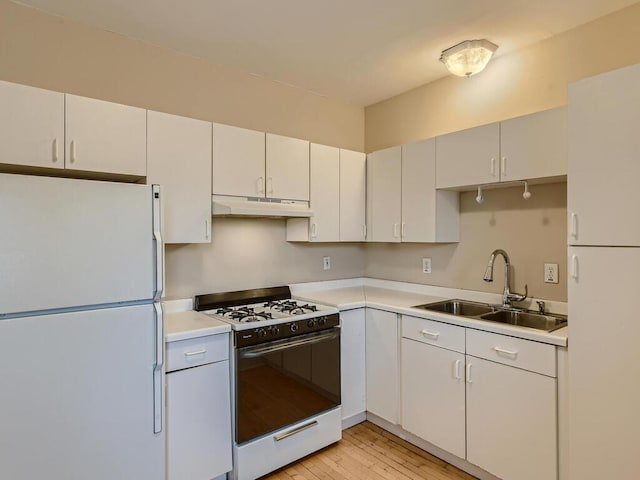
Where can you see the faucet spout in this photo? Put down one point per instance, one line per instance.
(507, 295)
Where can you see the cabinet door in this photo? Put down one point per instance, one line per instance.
(534, 146)
(238, 161)
(287, 168)
(324, 226)
(179, 159)
(433, 398)
(105, 137)
(511, 421)
(353, 174)
(198, 422)
(384, 195)
(428, 215)
(353, 362)
(31, 126)
(604, 365)
(604, 159)
(468, 157)
(382, 364)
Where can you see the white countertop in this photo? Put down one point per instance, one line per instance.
(191, 324)
(399, 300)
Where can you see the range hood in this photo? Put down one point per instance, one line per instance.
(228, 206)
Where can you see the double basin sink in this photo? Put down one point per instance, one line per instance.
(493, 313)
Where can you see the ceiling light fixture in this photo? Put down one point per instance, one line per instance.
(469, 57)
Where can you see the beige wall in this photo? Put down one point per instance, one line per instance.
(57, 54)
(526, 81)
(532, 232)
(53, 53)
(251, 252)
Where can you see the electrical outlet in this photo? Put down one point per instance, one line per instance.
(550, 273)
(326, 263)
(426, 265)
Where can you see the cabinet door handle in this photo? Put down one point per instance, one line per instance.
(503, 167)
(431, 335)
(574, 225)
(206, 229)
(197, 352)
(55, 150)
(260, 184)
(364, 231)
(574, 267)
(314, 230)
(269, 184)
(395, 230)
(72, 154)
(493, 167)
(508, 353)
(456, 370)
(469, 380)
(402, 229)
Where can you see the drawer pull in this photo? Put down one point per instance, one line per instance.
(299, 429)
(428, 334)
(508, 353)
(197, 352)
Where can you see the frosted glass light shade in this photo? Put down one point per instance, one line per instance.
(469, 57)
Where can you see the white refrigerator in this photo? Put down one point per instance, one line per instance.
(604, 276)
(81, 330)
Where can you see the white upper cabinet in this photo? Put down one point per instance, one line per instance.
(353, 174)
(522, 148)
(287, 168)
(324, 225)
(179, 159)
(604, 159)
(31, 126)
(428, 215)
(534, 146)
(468, 157)
(384, 197)
(238, 161)
(105, 137)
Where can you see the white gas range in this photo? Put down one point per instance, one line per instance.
(285, 363)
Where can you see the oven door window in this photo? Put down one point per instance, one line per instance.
(283, 382)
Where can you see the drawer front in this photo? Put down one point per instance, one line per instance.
(197, 351)
(533, 356)
(434, 333)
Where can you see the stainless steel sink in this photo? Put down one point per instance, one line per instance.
(526, 319)
(458, 307)
(494, 313)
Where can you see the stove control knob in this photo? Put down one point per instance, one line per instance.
(322, 321)
(274, 330)
(294, 327)
(311, 323)
(261, 332)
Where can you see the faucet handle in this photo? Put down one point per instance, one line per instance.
(516, 297)
(541, 307)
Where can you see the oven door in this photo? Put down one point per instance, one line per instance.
(282, 382)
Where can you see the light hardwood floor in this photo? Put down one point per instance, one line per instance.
(367, 452)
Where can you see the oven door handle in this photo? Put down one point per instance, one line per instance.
(258, 351)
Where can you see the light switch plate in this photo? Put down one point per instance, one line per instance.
(550, 273)
(426, 265)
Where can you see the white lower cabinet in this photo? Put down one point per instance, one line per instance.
(353, 366)
(498, 412)
(382, 362)
(198, 408)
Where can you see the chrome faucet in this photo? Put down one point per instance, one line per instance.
(507, 295)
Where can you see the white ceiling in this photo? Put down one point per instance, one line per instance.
(358, 51)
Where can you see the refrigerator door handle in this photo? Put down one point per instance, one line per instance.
(158, 371)
(157, 239)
